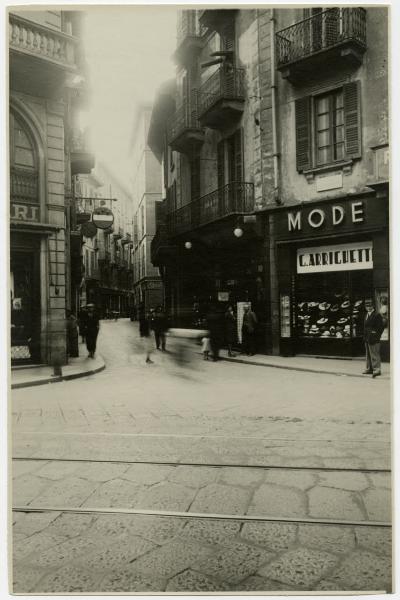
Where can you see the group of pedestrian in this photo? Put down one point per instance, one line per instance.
(223, 329)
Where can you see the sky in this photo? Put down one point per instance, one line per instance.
(128, 50)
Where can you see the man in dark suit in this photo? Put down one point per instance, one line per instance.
(373, 329)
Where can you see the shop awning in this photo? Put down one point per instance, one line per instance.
(36, 228)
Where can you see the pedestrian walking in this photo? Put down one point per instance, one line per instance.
(72, 335)
(216, 330)
(144, 331)
(230, 329)
(249, 331)
(205, 347)
(373, 329)
(160, 327)
(92, 326)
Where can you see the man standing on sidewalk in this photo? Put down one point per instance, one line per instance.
(373, 329)
(92, 326)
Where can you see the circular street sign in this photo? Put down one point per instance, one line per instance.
(89, 229)
(102, 217)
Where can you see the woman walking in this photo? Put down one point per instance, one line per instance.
(144, 330)
(92, 326)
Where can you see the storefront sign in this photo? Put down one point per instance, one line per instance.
(24, 212)
(103, 218)
(344, 257)
(316, 217)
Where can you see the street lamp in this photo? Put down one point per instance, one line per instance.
(188, 245)
(238, 232)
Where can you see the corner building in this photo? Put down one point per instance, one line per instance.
(45, 67)
(331, 228)
(218, 165)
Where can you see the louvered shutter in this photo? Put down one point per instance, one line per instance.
(238, 145)
(303, 133)
(352, 119)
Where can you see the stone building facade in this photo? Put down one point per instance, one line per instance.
(286, 108)
(47, 86)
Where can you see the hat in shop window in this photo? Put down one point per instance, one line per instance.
(335, 308)
(307, 317)
(91, 305)
(338, 294)
(339, 334)
(345, 304)
(322, 321)
(326, 333)
(301, 305)
(314, 329)
(356, 312)
(358, 303)
(332, 329)
(324, 306)
(300, 317)
(343, 321)
(312, 304)
(347, 329)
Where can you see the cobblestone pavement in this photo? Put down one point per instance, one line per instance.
(208, 414)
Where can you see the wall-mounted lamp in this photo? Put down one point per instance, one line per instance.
(188, 245)
(238, 232)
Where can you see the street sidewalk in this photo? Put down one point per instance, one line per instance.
(311, 364)
(41, 374)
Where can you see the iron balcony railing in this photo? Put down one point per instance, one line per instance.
(188, 25)
(324, 30)
(226, 83)
(184, 118)
(234, 198)
(37, 40)
(23, 185)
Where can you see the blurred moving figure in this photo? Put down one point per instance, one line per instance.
(92, 326)
(82, 323)
(160, 327)
(144, 330)
(205, 347)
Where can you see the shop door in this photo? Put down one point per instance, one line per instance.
(25, 307)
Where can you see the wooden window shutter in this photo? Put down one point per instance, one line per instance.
(303, 133)
(238, 144)
(352, 119)
(221, 164)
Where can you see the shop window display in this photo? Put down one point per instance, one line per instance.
(339, 313)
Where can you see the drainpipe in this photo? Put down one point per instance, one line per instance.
(273, 267)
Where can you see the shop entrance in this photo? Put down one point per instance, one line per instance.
(329, 312)
(25, 307)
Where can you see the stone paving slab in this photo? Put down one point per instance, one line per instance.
(276, 493)
(137, 553)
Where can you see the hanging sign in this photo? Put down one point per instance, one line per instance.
(102, 217)
(89, 229)
(344, 257)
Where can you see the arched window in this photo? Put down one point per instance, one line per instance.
(23, 164)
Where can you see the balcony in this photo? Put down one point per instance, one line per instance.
(127, 239)
(82, 160)
(221, 98)
(24, 186)
(39, 56)
(235, 198)
(331, 39)
(185, 133)
(189, 37)
(215, 19)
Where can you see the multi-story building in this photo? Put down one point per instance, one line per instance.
(147, 193)
(276, 168)
(331, 232)
(105, 260)
(47, 88)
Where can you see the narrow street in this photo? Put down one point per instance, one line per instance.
(216, 476)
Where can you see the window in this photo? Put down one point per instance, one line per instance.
(23, 164)
(328, 127)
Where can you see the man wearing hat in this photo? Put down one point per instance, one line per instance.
(373, 329)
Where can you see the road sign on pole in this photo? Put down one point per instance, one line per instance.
(102, 217)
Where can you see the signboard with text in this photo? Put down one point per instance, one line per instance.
(343, 257)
